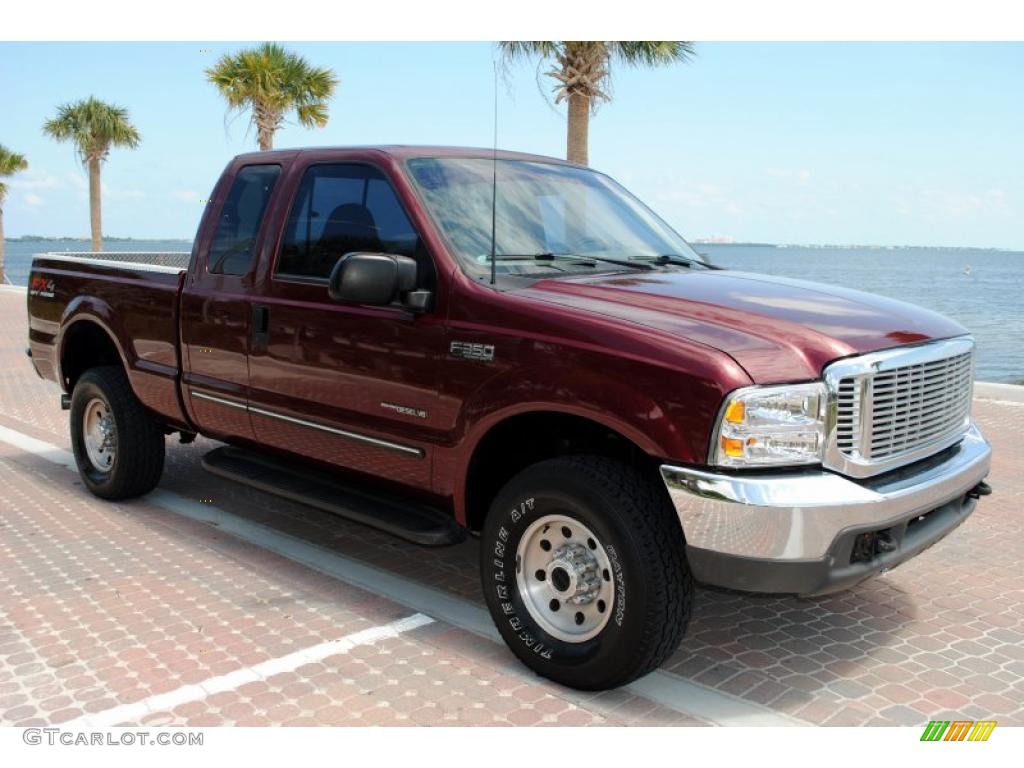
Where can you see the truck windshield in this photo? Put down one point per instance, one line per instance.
(549, 217)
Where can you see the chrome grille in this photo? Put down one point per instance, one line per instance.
(848, 415)
(896, 406)
(918, 404)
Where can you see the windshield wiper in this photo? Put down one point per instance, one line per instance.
(575, 259)
(541, 256)
(633, 263)
(681, 261)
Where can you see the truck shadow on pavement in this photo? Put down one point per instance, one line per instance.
(810, 657)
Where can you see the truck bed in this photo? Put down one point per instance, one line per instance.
(132, 296)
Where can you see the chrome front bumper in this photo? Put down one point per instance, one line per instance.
(795, 531)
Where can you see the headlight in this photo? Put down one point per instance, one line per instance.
(765, 426)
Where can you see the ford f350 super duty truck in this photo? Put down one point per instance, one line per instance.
(438, 340)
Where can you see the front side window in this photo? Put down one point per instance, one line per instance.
(234, 242)
(340, 209)
(548, 217)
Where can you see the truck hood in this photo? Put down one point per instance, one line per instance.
(778, 329)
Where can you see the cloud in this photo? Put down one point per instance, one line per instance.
(962, 203)
(703, 199)
(32, 179)
(32, 200)
(694, 195)
(185, 195)
(799, 175)
(80, 183)
(121, 193)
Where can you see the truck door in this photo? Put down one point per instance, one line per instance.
(217, 319)
(352, 385)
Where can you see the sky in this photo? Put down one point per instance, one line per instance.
(809, 143)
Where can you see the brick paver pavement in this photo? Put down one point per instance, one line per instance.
(107, 605)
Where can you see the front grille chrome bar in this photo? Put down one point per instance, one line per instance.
(890, 408)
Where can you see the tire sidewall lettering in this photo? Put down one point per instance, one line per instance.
(504, 582)
(619, 575)
(503, 559)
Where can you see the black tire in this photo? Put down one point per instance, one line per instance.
(634, 520)
(138, 460)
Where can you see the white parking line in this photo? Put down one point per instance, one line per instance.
(164, 702)
(660, 686)
(1011, 403)
(48, 451)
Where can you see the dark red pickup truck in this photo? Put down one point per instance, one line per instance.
(435, 341)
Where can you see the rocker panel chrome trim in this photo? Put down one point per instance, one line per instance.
(376, 441)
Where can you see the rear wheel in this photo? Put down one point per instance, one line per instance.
(118, 445)
(584, 571)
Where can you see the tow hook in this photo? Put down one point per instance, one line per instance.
(65, 402)
(885, 542)
(981, 489)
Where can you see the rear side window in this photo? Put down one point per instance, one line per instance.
(234, 242)
(339, 209)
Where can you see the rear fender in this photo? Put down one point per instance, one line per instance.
(92, 310)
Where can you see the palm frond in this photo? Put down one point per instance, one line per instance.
(528, 49)
(11, 162)
(93, 126)
(652, 53)
(583, 66)
(271, 81)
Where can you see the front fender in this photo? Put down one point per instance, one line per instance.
(674, 427)
(613, 403)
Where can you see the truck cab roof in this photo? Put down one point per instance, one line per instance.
(400, 152)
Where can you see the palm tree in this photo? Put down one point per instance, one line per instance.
(93, 126)
(10, 164)
(582, 69)
(272, 82)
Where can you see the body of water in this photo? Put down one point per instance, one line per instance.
(982, 289)
(18, 256)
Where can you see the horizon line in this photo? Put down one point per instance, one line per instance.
(693, 242)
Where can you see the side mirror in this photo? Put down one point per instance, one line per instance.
(376, 279)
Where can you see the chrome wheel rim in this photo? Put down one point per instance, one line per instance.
(99, 433)
(564, 578)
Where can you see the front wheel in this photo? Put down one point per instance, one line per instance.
(584, 571)
(118, 445)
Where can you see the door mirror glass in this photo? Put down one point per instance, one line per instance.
(373, 278)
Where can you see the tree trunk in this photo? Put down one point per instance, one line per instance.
(265, 136)
(266, 123)
(577, 129)
(95, 215)
(1, 242)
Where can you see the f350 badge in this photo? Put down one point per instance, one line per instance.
(468, 350)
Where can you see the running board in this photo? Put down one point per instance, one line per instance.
(413, 522)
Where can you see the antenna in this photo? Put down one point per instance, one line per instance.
(494, 182)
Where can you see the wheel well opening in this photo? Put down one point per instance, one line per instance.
(86, 345)
(522, 440)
